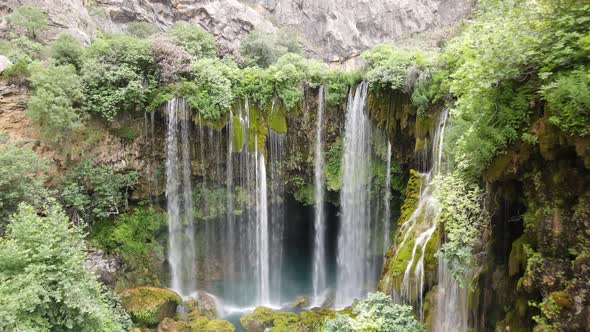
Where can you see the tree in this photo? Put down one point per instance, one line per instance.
(67, 50)
(21, 178)
(264, 49)
(55, 103)
(29, 18)
(118, 75)
(193, 39)
(44, 285)
(91, 192)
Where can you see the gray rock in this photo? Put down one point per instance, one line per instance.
(332, 30)
(4, 63)
(104, 266)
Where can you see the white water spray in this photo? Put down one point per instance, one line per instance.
(319, 253)
(353, 259)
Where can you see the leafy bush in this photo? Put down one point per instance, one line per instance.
(21, 178)
(44, 285)
(21, 49)
(464, 218)
(388, 67)
(54, 104)
(91, 192)
(67, 50)
(377, 313)
(213, 95)
(133, 237)
(28, 19)
(568, 98)
(264, 49)
(499, 63)
(118, 74)
(173, 61)
(193, 39)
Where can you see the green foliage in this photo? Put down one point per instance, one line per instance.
(264, 49)
(54, 104)
(568, 98)
(21, 49)
(67, 50)
(141, 29)
(118, 74)
(133, 237)
(213, 94)
(91, 192)
(377, 313)
(44, 285)
(21, 178)
(464, 218)
(388, 67)
(18, 73)
(337, 86)
(333, 165)
(28, 19)
(193, 39)
(500, 62)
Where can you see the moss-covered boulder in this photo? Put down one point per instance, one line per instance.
(259, 320)
(202, 306)
(149, 306)
(170, 325)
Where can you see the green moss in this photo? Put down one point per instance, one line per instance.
(284, 322)
(333, 165)
(517, 258)
(237, 134)
(258, 131)
(259, 320)
(150, 305)
(198, 324)
(276, 119)
(218, 326)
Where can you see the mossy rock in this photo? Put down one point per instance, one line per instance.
(259, 320)
(170, 325)
(149, 306)
(277, 120)
(218, 325)
(517, 259)
(237, 135)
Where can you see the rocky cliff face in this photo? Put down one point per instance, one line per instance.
(333, 30)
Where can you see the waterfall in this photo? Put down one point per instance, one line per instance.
(262, 233)
(451, 310)
(181, 251)
(319, 253)
(353, 240)
(276, 159)
(387, 221)
(422, 224)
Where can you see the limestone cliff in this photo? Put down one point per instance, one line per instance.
(333, 30)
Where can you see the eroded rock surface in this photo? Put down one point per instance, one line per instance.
(333, 30)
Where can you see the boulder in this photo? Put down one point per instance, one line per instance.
(258, 321)
(204, 305)
(4, 63)
(170, 325)
(301, 302)
(103, 265)
(149, 306)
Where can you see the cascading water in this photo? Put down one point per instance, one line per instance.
(354, 270)
(319, 254)
(422, 225)
(262, 233)
(181, 251)
(276, 206)
(387, 219)
(451, 309)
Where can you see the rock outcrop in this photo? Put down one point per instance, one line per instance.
(333, 30)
